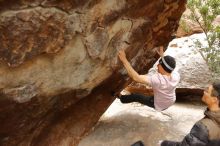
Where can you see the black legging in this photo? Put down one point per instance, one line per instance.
(146, 100)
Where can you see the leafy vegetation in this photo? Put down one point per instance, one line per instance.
(204, 12)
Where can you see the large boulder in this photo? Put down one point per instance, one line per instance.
(59, 65)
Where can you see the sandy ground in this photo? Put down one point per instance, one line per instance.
(123, 124)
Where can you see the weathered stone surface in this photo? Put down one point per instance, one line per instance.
(35, 26)
(58, 62)
(187, 27)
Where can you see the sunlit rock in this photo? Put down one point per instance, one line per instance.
(59, 65)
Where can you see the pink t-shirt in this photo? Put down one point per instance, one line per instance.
(164, 89)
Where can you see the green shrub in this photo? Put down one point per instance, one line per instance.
(203, 12)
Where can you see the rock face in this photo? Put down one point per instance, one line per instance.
(58, 62)
(187, 27)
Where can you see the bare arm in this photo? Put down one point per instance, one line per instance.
(131, 72)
